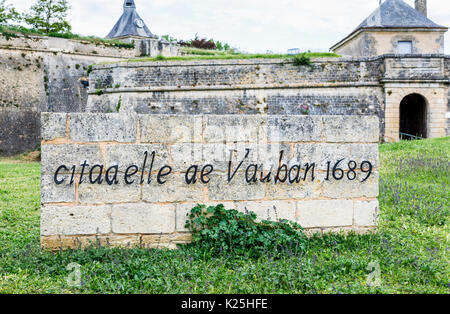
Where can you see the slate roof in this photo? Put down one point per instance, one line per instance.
(130, 23)
(397, 14)
(394, 14)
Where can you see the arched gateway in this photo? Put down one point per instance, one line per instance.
(413, 117)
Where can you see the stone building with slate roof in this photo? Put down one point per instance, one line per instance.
(416, 79)
(130, 24)
(132, 28)
(394, 28)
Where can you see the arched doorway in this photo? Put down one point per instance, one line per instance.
(413, 117)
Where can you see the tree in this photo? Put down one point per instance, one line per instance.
(7, 13)
(169, 38)
(49, 16)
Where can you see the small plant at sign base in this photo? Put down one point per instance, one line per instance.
(216, 230)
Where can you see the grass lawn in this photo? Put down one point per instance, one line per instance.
(411, 246)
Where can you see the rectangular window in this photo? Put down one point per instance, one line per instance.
(405, 47)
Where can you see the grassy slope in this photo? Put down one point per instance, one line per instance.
(12, 31)
(411, 246)
(199, 55)
(192, 54)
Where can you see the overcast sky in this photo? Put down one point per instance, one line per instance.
(250, 25)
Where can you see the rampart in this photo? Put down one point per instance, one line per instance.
(333, 86)
(47, 74)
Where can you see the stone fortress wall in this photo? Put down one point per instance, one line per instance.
(40, 74)
(335, 86)
(260, 86)
(46, 74)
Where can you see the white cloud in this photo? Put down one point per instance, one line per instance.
(252, 25)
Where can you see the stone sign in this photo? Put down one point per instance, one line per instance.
(129, 179)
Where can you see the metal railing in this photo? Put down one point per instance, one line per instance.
(409, 137)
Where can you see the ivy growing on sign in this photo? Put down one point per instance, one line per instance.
(216, 230)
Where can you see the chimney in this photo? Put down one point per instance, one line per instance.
(421, 6)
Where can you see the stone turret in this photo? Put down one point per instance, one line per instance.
(131, 28)
(130, 24)
(421, 6)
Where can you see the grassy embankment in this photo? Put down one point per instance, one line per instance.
(192, 54)
(14, 31)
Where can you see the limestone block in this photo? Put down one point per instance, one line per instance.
(269, 210)
(185, 155)
(146, 243)
(325, 213)
(55, 243)
(234, 128)
(53, 193)
(69, 155)
(352, 189)
(294, 128)
(157, 241)
(266, 156)
(366, 213)
(128, 241)
(347, 230)
(103, 127)
(75, 220)
(165, 241)
(343, 129)
(181, 238)
(272, 155)
(175, 189)
(128, 155)
(365, 152)
(301, 190)
(143, 218)
(108, 194)
(170, 128)
(53, 125)
(219, 189)
(320, 154)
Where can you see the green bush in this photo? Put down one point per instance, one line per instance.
(301, 60)
(216, 230)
